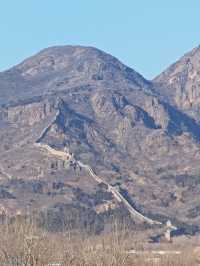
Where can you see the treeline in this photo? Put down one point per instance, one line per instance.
(23, 243)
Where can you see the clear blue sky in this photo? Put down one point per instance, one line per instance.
(147, 35)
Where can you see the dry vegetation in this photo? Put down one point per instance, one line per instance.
(23, 244)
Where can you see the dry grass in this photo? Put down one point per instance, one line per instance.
(23, 244)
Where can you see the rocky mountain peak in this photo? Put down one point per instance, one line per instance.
(91, 62)
(62, 68)
(181, 83)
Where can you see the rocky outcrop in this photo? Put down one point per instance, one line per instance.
(28, 114)
(181, 83)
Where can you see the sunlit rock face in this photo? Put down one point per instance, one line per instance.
(181, 83)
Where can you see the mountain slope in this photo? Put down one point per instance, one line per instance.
(180, 83)
(109, 117)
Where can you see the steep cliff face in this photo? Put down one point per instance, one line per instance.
(181, 83)
(129, 130)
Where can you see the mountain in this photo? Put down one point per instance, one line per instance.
(131, 132)
(180, 83)
(57, 69)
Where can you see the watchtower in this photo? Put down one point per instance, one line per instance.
(169, 228)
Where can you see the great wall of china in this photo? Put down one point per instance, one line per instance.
(116, 194)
